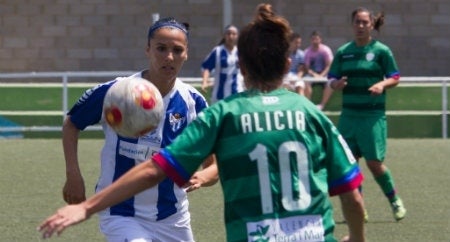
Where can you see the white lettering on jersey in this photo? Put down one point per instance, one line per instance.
(138, 152)
(347, 150)
(271, 121)
(270, 100)
(295, 228)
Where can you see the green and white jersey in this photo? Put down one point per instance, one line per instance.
(279, 158)
(363, 66)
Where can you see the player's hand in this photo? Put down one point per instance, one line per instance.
(376, 89)
(205, 86)
(63, 218)
(339, 84)
(74, 191)
(195, 182)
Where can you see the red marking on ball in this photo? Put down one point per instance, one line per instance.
(113, 116)
(145, 97)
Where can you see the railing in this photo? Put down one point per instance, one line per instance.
(65, 76)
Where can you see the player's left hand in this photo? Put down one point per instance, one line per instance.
(376, 89)
(194, 183)
(63, 218)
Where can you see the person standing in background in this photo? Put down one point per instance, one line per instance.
(364, 69)
(223, 62)
(318, 57)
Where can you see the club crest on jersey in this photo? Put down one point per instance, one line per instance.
(176, 121)
(370, 56)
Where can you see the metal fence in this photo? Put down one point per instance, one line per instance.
(64, 77)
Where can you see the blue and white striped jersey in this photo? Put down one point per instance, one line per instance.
(224, 65)
(120, 154)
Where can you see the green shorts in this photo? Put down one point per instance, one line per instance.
(366, 135)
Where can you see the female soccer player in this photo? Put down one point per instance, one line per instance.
(363, 69)
(160, 213)
(278, 156)
(223, 62)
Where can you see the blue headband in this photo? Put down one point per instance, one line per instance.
(167, 22)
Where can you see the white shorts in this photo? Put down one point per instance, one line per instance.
(175, 228)
(292, 82)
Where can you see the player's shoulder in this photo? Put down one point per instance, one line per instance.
(187, 89)
(380, 46)
(181, 85)
(98, 91)
(346, 46)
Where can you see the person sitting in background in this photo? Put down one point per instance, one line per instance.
(297, 67)
(318, 57)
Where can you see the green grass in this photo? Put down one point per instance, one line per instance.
(37, 98)
(32, 177)
(50, 98)
(400, 98)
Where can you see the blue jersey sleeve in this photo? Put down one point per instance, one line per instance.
(89, 107)
(210, 62)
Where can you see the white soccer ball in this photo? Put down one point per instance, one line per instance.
(133, 107)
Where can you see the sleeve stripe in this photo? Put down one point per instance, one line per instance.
(352, 180)
(395, 75)
(172, 169)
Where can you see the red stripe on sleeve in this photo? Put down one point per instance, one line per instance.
(353, 184)
(168, 169)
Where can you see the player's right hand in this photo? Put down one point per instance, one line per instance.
(63, 218)
(339, 84)
(74, 191)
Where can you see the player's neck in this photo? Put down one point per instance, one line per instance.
(363, 42)
(164, 86)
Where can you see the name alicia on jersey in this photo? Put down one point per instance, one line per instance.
(272, 121)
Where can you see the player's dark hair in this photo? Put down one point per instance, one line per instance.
(168, 22)
(377, 20)
(263, 48)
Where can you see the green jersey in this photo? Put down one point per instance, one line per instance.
(364, 66)
(279, 158)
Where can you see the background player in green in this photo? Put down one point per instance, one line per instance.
(278, 156)
(363, 69)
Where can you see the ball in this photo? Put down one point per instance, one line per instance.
(133, 107)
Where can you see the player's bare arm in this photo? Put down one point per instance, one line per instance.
(207, 176)
(338, 84)
(353, 209)
(74, 189)
(138, 179)
(378, 88)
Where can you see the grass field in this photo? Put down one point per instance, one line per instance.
(406, 98)
(32, 176)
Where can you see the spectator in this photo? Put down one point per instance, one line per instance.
(364, 69)
(318, 57)
(294, 80)
(223, 61)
